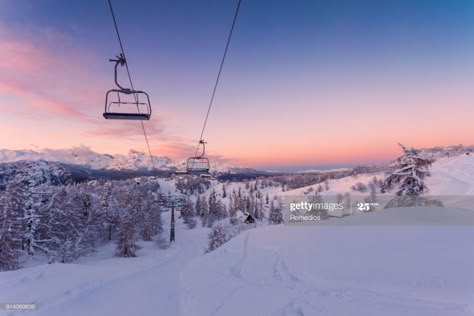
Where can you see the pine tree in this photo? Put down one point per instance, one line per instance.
(11, 227)
(204, 211)
(187, 213)
(73, 225)
(276, 215)
(147, 225)
(126, 242)
(215, 208)
(31, 221)
(155, 216)
(127, 228)
(410, 171)
(111, 207)
(224, 192)
(259, 208)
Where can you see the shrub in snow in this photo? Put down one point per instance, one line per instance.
(408, 176)
(223, 231)
(162, 242)
(359, 187)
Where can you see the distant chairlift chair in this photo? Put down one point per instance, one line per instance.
(126, 97)
(198, 164)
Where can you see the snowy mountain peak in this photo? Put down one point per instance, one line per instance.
(84, 156)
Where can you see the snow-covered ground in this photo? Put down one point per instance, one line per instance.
(449, 176)
(452, 176)
(316, 270)
(105, 285)
(322, 269)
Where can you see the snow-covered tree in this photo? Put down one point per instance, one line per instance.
(155, 215)
(224, 191)
(71, 226)
(276, 215)
(11, 227)
(127, 236)
(408, 176)
(216, 211)
(187, 213)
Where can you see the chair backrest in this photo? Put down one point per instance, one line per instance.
(127, 105)
(197, 165)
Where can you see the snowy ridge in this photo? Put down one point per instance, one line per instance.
(84, 156)
(34, 173)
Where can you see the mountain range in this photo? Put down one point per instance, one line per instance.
(84, 156)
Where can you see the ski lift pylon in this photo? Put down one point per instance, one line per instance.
(126, 97)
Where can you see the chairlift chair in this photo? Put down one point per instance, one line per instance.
(198, 164)
(125, 97)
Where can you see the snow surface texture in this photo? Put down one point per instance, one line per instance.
(277, 270)
(283, 270)
(104, 285)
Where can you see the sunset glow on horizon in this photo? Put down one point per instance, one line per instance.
(305, 83)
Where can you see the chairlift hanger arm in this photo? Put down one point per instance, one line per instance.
(119, 61)
(203, 143)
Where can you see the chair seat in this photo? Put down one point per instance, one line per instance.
(197, 170)
(126, 116)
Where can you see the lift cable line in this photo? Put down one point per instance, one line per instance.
(122, 61)
(201, 141)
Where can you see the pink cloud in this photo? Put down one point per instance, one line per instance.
(32, 69)
(126, 129)
(41, 102)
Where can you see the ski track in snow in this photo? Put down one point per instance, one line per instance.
(237, 269)
(286, 291)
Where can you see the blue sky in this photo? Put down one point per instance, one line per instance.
(305, 83)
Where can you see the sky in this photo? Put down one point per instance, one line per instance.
(305, 83)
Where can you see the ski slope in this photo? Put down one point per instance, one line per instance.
(452, 176)
(104, 285)
(316, 270)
